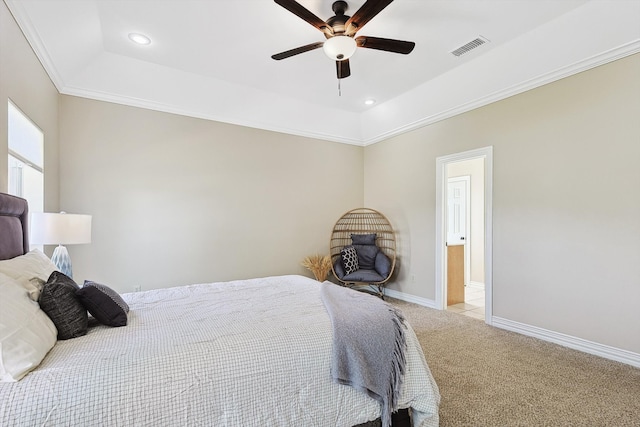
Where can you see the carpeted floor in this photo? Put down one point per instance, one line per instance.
(492, 377)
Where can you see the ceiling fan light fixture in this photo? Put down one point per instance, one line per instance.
(339, 48)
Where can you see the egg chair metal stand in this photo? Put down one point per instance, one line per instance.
(364, 222)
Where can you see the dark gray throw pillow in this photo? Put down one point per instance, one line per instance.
(58, 299)
(367, 256)
(105, 304)
(383, 264)
(364, 239)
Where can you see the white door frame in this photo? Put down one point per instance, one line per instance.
(441, 231)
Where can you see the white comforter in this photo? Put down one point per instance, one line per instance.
(242, 353)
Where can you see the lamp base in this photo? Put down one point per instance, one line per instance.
(62, 260)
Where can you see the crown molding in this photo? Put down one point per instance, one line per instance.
(172, 109)
(603, 58)
(35, 41)
(611, 55)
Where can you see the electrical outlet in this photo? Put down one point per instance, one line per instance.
(137, 288)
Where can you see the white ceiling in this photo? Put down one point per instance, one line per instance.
(212, 59)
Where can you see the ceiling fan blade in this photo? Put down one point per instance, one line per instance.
(363, 15)
(301, 12)
(296, 51)
(343, 69)
(388, 45)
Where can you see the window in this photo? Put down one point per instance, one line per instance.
(26, 159)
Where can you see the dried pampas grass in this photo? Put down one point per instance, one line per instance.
(319, 265)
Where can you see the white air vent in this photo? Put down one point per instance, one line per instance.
(479, 41)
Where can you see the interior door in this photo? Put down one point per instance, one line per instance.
(457, 189)
(457, 272)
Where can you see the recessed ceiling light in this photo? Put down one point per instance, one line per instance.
(370, 101)
(139, 38)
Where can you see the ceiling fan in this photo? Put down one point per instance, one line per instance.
(340, 31)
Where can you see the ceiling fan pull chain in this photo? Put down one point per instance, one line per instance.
(339, 88)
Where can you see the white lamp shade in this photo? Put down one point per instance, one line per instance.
(60, 228)
(339, 48)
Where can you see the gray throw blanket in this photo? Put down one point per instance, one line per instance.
(368, 345)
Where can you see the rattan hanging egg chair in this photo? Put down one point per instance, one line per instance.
(363, 249)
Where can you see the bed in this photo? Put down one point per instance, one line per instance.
(240, 353)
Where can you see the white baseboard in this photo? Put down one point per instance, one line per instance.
(590, 347)
(425, 302)
(605, 351)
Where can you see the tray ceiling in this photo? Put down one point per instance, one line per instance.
(211, 59)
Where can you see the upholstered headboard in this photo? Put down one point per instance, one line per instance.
(14, 226)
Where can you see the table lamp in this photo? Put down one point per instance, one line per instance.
(60, 229)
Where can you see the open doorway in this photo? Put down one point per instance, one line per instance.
(463, 238)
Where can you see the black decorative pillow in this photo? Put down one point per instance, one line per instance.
(105, 304)
(349, 259)
(58, 299)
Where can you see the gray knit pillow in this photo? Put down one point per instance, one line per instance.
(105, 304)
(58, 299)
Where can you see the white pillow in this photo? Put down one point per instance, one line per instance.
(26, 332)
(31, 270)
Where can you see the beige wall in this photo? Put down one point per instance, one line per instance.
(474, 169)
(177, 200)
(566, 209)
(24, 81)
